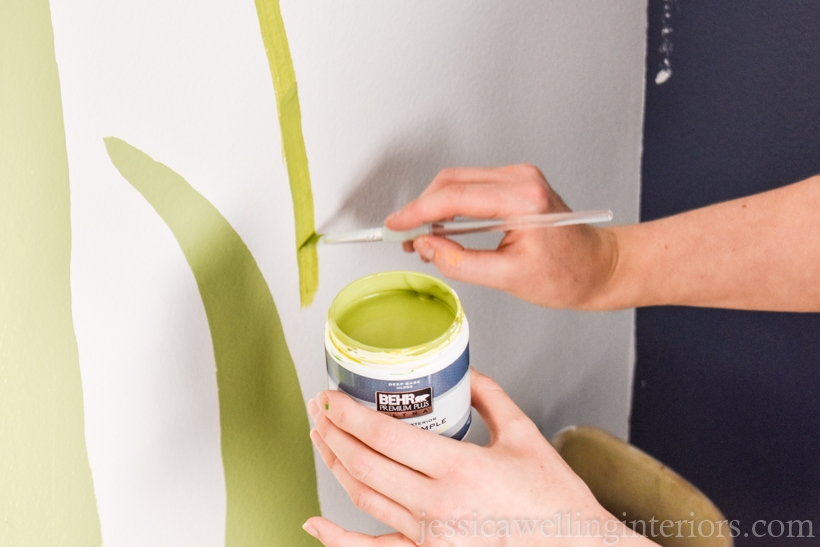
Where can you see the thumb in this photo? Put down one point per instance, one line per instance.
(498, 411)
(486, 268)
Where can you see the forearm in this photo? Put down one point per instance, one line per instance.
(761, 252)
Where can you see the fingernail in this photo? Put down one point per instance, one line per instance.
(425, 250)
(310, 530)
(391, 216)
(322, 402)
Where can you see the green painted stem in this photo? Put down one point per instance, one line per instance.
(293, 143)
(266, 452)
(46, 489)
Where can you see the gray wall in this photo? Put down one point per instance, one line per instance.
(391, 93)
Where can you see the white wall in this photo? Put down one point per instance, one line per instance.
(391, 92)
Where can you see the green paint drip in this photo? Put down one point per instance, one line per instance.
(293, 143)
(46, 489)
(266, 452)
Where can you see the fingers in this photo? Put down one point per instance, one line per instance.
(365, 498)
(503, 417)
(400, 442)
(489, 268)
(332, 535)
(479, 193)
(367, 466)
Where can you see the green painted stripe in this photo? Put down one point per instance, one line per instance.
(293, 143)
(46, 489)
(270, 478)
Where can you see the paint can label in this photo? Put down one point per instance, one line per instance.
(407, 404)
(438, 402)
(398, 342)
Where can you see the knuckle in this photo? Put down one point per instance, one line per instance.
(337, 467)
(339, 413)
(539, 195)
(359, 468)
(483, 381)
(413, 208)
(457, 190)
(383, 437)
(465, 471)
(363, 499)
(530, 171)
(448, 173)
(322, 424)
(444, 177)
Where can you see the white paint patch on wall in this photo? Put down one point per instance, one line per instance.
(665, 71)
(391, 93)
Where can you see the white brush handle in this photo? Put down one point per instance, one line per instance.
(406, 235)
(470, 226)
(474, 226)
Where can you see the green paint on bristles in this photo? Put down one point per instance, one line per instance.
(312, 241)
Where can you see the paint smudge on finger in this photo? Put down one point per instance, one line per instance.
(293, 143)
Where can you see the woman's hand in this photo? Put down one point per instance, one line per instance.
(566, 267)
(437, 491)
(760, 252)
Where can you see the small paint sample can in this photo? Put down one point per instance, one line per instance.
(397, 342)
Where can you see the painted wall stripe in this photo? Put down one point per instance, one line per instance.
(46, 489)
(293, 143)
(268, 459)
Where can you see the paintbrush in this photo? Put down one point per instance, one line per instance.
(466, 226)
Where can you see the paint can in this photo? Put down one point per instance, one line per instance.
(397, 342)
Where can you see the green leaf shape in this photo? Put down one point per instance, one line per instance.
(293, 143)
(46, 486)
(270, 478)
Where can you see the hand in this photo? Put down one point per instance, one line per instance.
(566, 267)
(437, 491)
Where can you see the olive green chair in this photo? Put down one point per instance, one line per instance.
(637, 488)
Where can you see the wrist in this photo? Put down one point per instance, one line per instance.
(606, 291)
(634, 261)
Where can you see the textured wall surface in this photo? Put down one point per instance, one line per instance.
(390, 93)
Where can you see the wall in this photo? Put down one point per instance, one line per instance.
(730, 398)
(390, 93)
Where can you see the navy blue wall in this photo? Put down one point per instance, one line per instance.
(731, 399)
